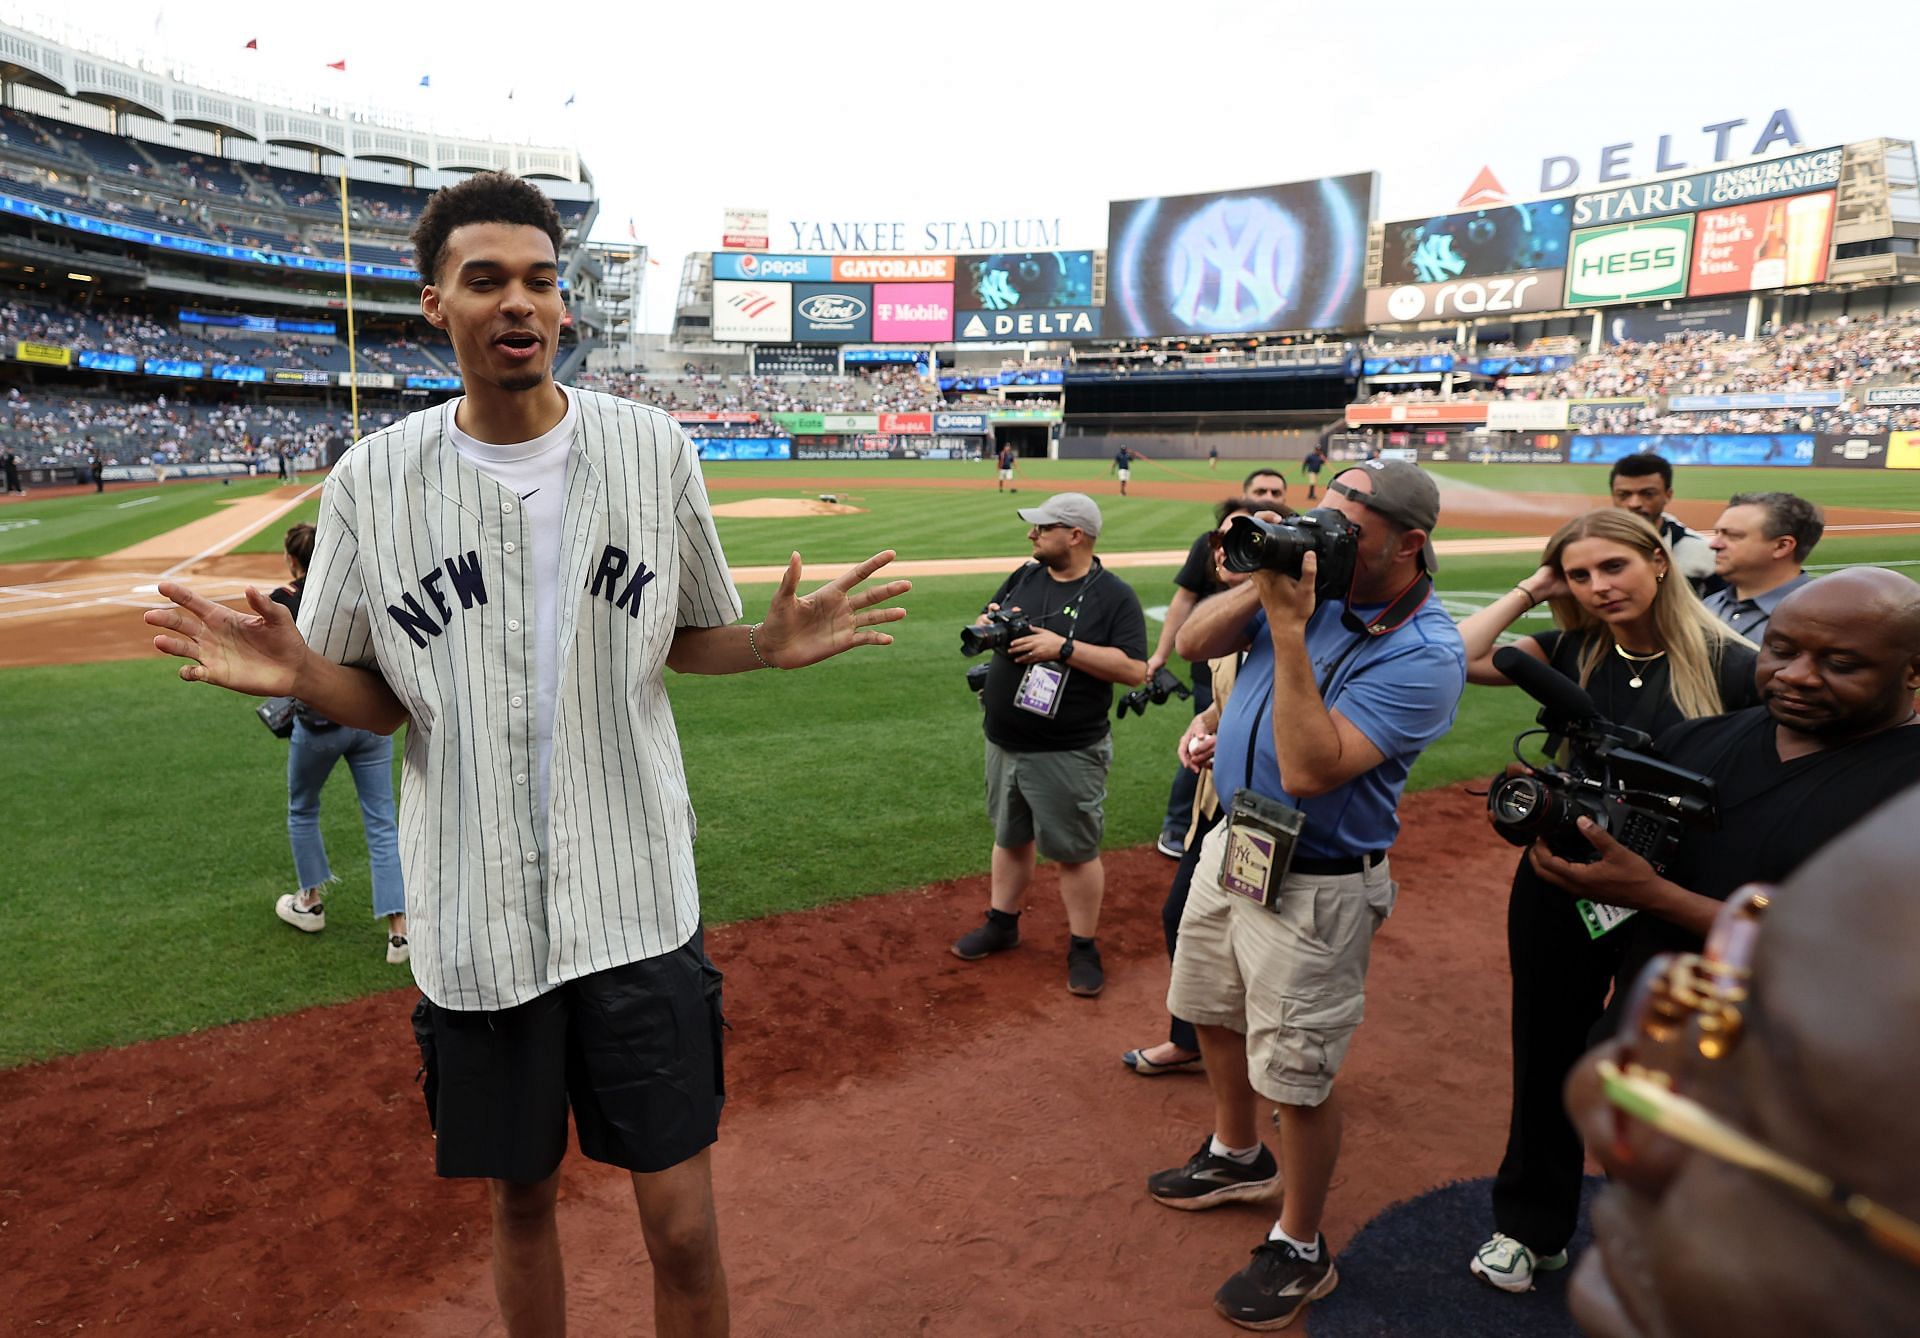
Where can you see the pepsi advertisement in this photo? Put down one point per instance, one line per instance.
(1505, 239)
(1023, 280)
(1287, 257)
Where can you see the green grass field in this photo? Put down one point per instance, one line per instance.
(145, 818)
(920, 523)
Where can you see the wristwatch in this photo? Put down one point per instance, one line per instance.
(1066, 650)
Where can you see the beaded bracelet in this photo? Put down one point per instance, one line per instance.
(754, 645)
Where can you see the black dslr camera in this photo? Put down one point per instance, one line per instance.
(1162, 686)
(1640, 801)
(1251, 544)
(1000, 629)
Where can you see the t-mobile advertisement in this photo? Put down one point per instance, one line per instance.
(906, 313)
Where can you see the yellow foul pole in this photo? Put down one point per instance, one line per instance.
(346, 251)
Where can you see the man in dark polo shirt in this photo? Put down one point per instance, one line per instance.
(1047, 699)
(1835, 737)
(1195, 580)
(1760, 546)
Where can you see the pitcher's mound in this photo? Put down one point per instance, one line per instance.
(773, 508)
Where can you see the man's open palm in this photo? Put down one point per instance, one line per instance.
(805, 629)
(257, 653)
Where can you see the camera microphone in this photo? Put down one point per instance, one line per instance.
(1562, 699)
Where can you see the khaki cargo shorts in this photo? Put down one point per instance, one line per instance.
(1292, 980)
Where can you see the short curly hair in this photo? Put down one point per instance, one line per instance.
(484, 197)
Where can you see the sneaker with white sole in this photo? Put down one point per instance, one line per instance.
(396, 949)
(1207, 1181)
(308, 919)
(1507, 1264)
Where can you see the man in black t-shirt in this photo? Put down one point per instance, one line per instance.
(1048, 739)
(1835, 737)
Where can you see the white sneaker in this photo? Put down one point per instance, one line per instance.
(396, 949)
(1510, 1266)
(311, 919)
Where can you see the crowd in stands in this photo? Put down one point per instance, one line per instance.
(891, 389)
(64, 429)
(143, 335)
(1848, 354)
(202, 195)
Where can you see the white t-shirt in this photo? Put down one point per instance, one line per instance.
(537, 471)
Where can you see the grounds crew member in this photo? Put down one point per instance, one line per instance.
(1334, 702)
(508, 573)
(1047, 697)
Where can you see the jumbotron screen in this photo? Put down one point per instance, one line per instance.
(1506, 239)
(1287, 257)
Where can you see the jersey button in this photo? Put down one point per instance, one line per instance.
(506, 508)
(513, 701)
(508, 546)
(513, 624)
(533, 857)
(520, 778)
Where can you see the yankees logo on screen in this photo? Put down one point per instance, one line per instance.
(1287, 257)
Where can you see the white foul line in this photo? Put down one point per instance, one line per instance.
(245, 533)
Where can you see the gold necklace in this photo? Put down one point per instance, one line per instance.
(1637, 661)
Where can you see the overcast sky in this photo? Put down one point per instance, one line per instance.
(989, 110)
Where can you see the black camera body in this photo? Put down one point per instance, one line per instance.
(1251, 544)
(1162, 686)
(1000, 630)
(1644, 803)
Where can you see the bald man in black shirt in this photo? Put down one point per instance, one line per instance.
(1834, 738)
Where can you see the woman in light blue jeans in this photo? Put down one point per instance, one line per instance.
(318, 744)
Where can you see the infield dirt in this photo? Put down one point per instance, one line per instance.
(912, 1144)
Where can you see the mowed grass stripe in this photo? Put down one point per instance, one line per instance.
(95, 524)
(146, 835)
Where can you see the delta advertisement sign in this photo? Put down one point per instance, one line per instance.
(1630, 262)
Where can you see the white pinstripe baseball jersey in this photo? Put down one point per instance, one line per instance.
(422, 570)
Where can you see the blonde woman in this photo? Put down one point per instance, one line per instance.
(1630, 630)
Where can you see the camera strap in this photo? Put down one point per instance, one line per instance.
(1390, 619)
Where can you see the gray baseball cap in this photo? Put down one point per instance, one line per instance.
(1065, 508)
(1404, 492)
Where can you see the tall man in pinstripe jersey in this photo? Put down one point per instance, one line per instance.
(510, 572)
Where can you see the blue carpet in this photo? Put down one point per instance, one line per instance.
(1405, 1275)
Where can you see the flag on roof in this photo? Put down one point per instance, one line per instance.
(253, 44)
(339, 65)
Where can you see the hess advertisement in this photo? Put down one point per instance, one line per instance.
(1629, 262)
(1501, 240)
(1752, 247)
(1288, 257)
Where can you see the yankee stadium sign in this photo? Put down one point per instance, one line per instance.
(936, 236)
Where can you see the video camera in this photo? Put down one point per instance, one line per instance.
(1162, 686)
(1640, 801)
(1252, 544)
(1000, 629)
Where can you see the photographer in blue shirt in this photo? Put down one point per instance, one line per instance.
(1335, 700)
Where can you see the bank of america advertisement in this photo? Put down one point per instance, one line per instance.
(752, 313)
(1630, 262)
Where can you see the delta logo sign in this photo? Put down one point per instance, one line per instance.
(1041, 323)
